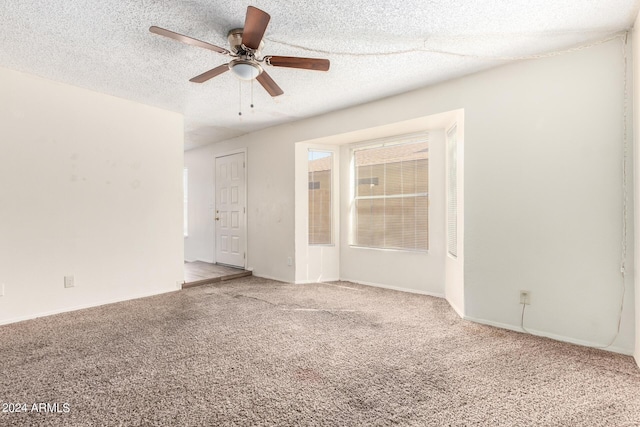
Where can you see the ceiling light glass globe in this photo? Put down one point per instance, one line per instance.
(245, 70)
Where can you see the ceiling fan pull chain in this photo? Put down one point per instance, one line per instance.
(239, 97)
(252, 95)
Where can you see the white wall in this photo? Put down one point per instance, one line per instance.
(91, 186)
(543, 196)
(636, 180)
(200, 242)
(542, 188)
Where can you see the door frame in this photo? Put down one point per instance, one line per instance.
(242, 151)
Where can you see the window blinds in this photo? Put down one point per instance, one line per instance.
(392, 194)
(320, 198)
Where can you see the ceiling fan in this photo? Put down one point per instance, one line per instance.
(246, 44)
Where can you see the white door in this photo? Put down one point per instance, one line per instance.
(230, 210)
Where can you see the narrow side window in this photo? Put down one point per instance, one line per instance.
(320, 197)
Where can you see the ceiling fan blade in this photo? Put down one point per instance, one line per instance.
(255, 24)
(267, 82)
(210, 74)
(296, 62)
(188, 40)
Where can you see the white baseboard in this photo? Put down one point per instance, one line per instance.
(200, 260)
(82, 307)
(455, 308)
(517, 328)
(262, 276)
(395, 288)
(308, 282)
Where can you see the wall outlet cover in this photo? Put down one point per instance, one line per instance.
(68, 282)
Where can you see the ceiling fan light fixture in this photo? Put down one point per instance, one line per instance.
(245, 69)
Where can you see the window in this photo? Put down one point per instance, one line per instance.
(452, 193)
(185, 191)
(320, 182)
(391, 194)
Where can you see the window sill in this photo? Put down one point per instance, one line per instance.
(411, 251)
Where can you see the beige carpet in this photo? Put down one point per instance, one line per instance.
(254, 352)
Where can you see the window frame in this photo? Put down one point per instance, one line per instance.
(452, 191)
(395, 140)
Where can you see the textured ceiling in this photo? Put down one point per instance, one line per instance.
(377, 48)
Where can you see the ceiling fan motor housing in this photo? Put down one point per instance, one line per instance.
(235, 41)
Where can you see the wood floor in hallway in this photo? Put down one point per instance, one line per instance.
(198, 273)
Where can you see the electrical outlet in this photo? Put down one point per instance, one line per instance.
(68, 282)
(289, 261)
(525, 297)
(2, 290)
